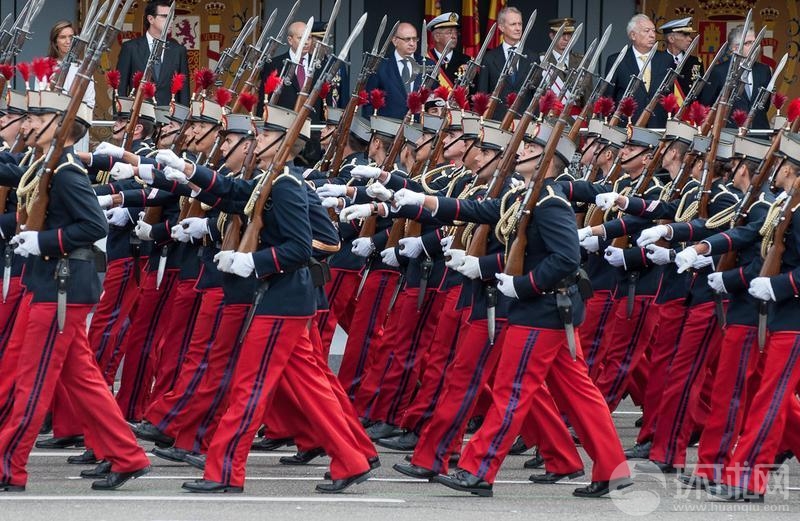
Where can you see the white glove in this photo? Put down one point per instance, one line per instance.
(606, 201)
(389, 257)
(365, 172)
(760, 288)
(658, 255)
(363, 246)
(27, 243)
(583, 233)
(179, 234)
(143, 230)
(107, 149)
(379, 192)
(242, 264)
(105, 201)
(591, 244)
(169, 158)
(355, 211)
(118, 217)
(121, 171)
(146, 173)
(330, 202)
(505, 283)
(684, 259)
(224, 259)
(406, 197)
(651, 235)
(615, 256)
(195, 227)
(470, 268)
(410, 247)
(331, 190)
(456, 258)
(716, 283)
(516, 183)
(446, 243)
(173, 174)
(702, 261)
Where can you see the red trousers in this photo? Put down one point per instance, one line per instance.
(406, 338)
(194, 427)
(599, 309)
(8, 364)
(48, 356)
(440, 354)
(184, 312)
(763, 428)
(363, 339)
(341, 293)
(165, 409)
(699, 341)
(114, 309)
(623, 346)
(671, 317)
(275, 348)
(282, 418)
(736, 368)
(149, 323)
(474, 362)
(8, 312)
(528, 357)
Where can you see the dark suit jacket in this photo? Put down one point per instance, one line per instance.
(387, 78)
(659, 65)
(289, 93)
(761, 77)
(493, 64)
(133, 57)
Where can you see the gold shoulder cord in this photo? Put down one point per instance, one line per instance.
(686, 212)
(767, 230)
(509, 205)
(466, 236)
(28, 186)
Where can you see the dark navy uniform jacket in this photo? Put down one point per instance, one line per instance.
(12, 168)
(784, 313)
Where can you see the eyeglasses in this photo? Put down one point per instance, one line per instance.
(408, 39)
(162, 15)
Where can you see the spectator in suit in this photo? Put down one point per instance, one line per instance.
(574, 58)
(398, 74)
(642, 35)
(757, 78)
(678, 35)
(509, 23)
(444, 28)
(134, 55)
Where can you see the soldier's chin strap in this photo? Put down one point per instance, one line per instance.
(258, 153)
(497, 154)
(529, 159)
(41, 132)
(11, 122)
(634, 156)
(207, 133)
(234, 147)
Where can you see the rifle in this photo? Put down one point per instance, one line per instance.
(321, 49)
(764, 93)
(772, 262)
(158, 47)
(700, 82)
(289, 66)
(258, 200)
(38, 211)
(253, 61)
(666, 85)
(78, 45)
(511, 65)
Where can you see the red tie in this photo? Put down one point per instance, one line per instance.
(301, 74)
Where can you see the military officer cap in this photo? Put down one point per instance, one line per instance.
(318, 29)
(49, 102)
(386, 127)
(679, 131)
(750, 148)
(238, 124)
(207, 111)
(540, 133)
(473, 125)
(456, 117)
(779, 121)
(412, 132)
(124, 105)
(569, 25)
(361, 130)
(16, 102)
(431, 124)
(494, 138)
(683, 25)
(178, 113)
(162, 114)
(443, 21)
(614, 136)
(790, 147)
(642, 137)
(595, 128)
(725, 150)
(333, 115)
(281, 119)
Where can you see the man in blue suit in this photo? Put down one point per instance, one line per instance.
(398, 74)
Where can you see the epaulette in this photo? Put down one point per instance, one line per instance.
(288, 175)
(723, 190)
(311, 185)
(762, 199)
(152, 153)
(72, 161)
(144, 150)
(401, 173)
(551, 194)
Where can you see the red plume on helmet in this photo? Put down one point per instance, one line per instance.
(223, 96)
(627, 107)
(42, 69)
(547, 103)
(460, 97)
(377, 98)
(414, 102)
(248, 100)
(670, 104)
(480, 102)
(739, 117)
(442, 92)
(113, 78)
(177, 82)
(271, 83)
(203, 80)
(696, 114)
(604, 107)
(363, 98)
(24, 70)
(511, 97)
(149, 90)
(793, 111)
(778, 100)
(136, 80)
(324, 90)
(7, 70)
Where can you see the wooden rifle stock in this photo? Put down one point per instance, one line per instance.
(772, 263)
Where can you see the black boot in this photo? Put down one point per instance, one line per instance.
(463, 481)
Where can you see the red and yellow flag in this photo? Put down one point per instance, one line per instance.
(433, 8)
(494, 9)
(470, 27)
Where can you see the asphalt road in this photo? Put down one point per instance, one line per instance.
(274, 491)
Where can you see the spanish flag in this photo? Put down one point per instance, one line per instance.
(470, 27)
(433, 8)
(494, 9)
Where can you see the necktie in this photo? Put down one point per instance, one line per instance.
(646, 76)
(406, 75)
(513, 69)
(156, 63)
(301, 74)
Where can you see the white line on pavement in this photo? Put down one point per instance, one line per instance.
(76, 453)
(196, 497)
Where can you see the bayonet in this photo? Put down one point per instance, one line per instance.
(423, 50)
(600, 48)
(379, 35)
(253, 54)
(474, 64)
(526, 32)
